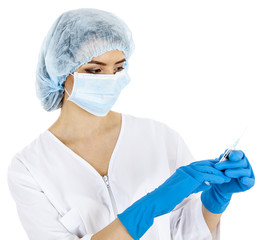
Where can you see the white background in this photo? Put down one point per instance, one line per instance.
(198, 66)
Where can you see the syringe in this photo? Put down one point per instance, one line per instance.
(228, 151)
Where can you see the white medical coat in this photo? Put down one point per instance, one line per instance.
(60, 196)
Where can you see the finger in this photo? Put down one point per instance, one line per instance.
(211, 171)
(236, 155)
(232, 164)
(238, 172)
(214, 179)
(208, 169)
(210, 162)
(250, 182)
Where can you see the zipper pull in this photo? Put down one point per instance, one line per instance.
(105, 178)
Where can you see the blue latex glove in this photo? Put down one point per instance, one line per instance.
(139, 217)
(237, 167)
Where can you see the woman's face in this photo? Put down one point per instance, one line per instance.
(107, 63)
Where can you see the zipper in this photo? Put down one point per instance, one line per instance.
(106, 180)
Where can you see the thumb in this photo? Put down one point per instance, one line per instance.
(249, 182)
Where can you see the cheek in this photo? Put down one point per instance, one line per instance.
(68, 84)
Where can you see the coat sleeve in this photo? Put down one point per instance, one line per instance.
(38, 216)
(186, 220)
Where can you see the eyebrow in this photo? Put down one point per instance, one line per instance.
(101, 63)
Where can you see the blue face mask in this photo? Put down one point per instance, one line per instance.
(97, 93)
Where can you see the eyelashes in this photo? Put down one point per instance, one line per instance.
(94, 71)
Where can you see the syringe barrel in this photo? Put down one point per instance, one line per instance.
(226, 154)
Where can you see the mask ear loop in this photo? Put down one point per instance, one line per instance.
(67, 93)
(66, 90)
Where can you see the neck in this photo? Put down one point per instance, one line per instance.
(76, 124)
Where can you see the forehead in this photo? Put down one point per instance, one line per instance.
(113, 55)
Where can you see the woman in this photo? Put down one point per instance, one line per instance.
(99, 174)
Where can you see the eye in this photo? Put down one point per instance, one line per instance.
(119, 68)
(93, 71)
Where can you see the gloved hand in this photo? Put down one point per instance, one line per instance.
(237, 167)
(139, 217)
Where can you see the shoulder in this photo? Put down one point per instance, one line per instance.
(151, 126)
(29, 152)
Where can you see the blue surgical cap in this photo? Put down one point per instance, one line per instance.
(73, 40)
